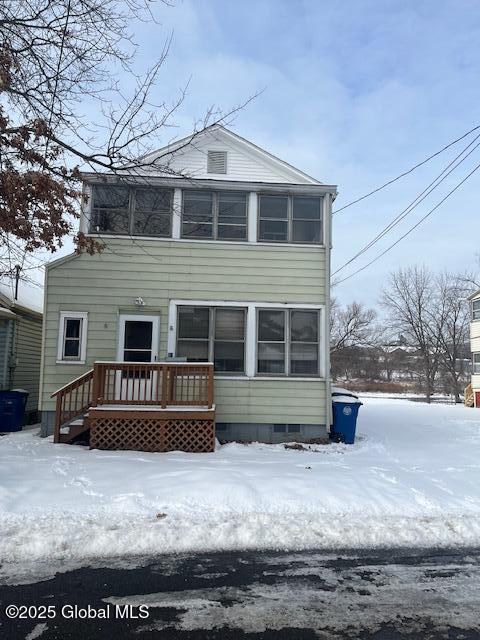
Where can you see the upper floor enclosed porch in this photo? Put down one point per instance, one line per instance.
(213, 186)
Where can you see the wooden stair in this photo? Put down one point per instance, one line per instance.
(73, 429)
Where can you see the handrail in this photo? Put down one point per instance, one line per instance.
(87, 373)
(73, 400)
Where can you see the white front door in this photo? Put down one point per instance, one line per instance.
(137, 342)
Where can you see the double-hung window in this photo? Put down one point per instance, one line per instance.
(476, 310)
(214, 215)
(215, 334)
(476, 363)
(72, 336)
(288, 342)
(111, 209)
(289, 218)
(124, 210)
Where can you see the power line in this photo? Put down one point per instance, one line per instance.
(428, 214)
(405, 173)
(414, 204)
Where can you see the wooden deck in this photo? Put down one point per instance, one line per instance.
(159, 406)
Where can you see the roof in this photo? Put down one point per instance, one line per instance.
(21, 306)
(474, 295)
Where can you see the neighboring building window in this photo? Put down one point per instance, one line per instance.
(72, 337)
(215, 215)
(288, 342)
(215, 334)
(476, 310)
(286, 218)
(127, 210)
(476, 363)
(216, 162)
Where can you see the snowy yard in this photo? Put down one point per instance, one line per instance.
(412, 478)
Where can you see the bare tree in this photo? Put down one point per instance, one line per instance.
(451, 321)
(350, 326)
(411, 302)
(55, 54)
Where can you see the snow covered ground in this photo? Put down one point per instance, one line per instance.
(412, 479)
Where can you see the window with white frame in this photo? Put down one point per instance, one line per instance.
(476, 363)
(131, 210)
(215, 334)
(214, 215)
(288, 342)
(288, 218)
(72, 336)
(476, 310)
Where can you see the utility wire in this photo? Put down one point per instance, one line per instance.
(414, 204)
(429, 213)
(405, 173)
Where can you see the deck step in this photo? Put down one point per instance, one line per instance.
(73, 429)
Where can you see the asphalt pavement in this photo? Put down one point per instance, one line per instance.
(382, 594)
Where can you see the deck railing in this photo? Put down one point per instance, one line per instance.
(161, 384)
(73, 400)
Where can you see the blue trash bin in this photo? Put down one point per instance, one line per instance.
(345, 413)
(12, 410)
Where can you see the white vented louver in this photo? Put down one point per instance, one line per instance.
(217, 162)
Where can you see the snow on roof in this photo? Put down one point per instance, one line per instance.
(29, 297)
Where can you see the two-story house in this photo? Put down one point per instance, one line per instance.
(475, 345)
(209, 305)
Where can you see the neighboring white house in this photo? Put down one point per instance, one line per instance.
(475, 345)
(222, 259)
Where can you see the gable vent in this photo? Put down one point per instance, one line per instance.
(217, 162)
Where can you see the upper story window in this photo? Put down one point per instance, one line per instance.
(287, 218)
(214, 215)
(476, 310)
(142, 211)
(216, 162)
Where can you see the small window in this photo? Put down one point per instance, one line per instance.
(212, 215)
(294, 428)
(72, 337)
(476, 363)
(217, 162)
(110, 209)
(476, 310)
(279, 428)
(215, 334)
(288, 342)
(285, 218)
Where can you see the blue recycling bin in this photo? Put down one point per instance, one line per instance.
(12, 410)
(345, 413)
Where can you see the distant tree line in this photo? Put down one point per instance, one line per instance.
(420, 343)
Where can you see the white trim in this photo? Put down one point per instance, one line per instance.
(229, 243)
(138, 317)
(270, 378)
(76, 315)
(251, 332)
(176, 216)
(252, 217)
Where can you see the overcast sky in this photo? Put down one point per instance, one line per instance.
(354, 92)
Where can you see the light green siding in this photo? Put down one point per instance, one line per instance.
(159, 271)
(27, 356)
